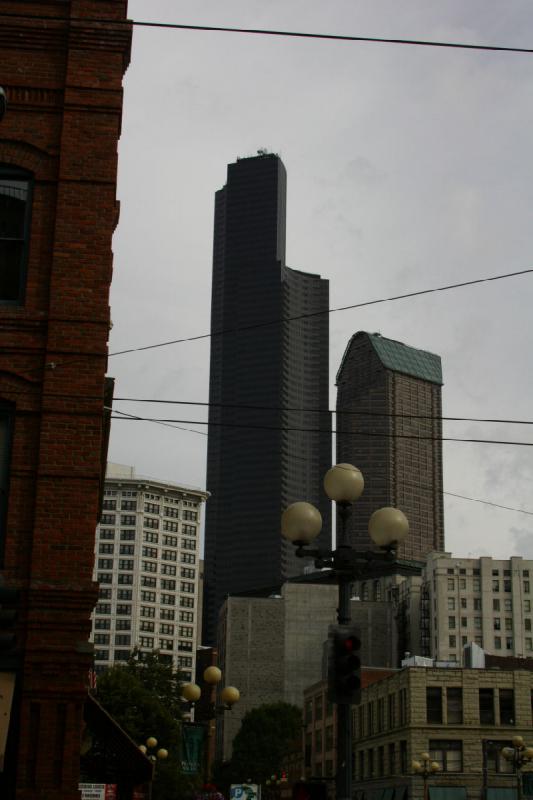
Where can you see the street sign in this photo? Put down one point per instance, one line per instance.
(98, 791)
(245, 791)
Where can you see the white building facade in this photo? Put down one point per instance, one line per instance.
(147, 555)
(481, 600)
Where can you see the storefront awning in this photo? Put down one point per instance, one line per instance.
(447, 793)
(501, 793)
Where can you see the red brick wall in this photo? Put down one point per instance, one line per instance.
(63, 80)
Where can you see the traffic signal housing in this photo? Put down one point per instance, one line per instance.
(344, 664)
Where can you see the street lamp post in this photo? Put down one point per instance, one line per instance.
(301, 523)
(519, 755)
(191, 693)
(154, 755)
(425, 767)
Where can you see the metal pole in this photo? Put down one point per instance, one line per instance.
(344, 722)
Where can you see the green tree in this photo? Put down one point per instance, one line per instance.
(267, 734)
(143, 696)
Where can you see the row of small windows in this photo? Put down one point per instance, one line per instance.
(145, 642)
(371, 763)
(150, 536)
(148, 522)
(498, 585)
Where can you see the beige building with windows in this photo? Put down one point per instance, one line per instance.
(147, 553)
(458, 601)
(461, 717)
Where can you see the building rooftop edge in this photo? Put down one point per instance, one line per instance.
(123, 477)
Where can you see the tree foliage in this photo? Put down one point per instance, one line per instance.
(143, 696)
(266, 736)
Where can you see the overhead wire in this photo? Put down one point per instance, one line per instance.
(279, 320)
(236, 425)
(273, 32)
(345, 412)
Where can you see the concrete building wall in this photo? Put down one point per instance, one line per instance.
(272, 648)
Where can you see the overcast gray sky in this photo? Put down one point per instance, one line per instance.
(408, 168)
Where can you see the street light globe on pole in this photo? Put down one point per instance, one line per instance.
(301, 523)
(230, 695)
(344, 483)
(388, 527)
(212, 675)
(191, 692)
(151, 742)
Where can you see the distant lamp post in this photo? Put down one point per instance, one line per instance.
(192, 693)
(301, 523)
(149, 750)
(519, 755)
(425, 767)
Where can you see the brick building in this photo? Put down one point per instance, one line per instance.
(389, 422)
(58, 158)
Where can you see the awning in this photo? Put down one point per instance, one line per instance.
(501, 793)
(400, 792)
(447, 793)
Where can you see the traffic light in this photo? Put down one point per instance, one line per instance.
(8, 616)
(344, 664)
(309, 790)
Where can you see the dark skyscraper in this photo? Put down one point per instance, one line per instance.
(261, 455)
(394, 435)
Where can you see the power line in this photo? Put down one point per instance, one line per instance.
(488, 503)
(289, 429)
(278, 321)
(245, 407)
(378, 414)
(156, 422)
(272, 32)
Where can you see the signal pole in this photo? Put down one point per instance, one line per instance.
(301, 523)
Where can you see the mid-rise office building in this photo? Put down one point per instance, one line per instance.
(389, 424)
(147, 566)
(459, 601)
(269, 437)
(481, 600)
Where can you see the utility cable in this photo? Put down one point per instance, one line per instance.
(488, 503)
(255, 326)
(345, 412)
(236, 425)
(244, 407)
(270, 32)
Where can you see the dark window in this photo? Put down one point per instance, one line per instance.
(507, 716)
(15, 210)
(454, 705)
(403, 757)
(447, 754)
(486, 706)
(434, 704)
(6, 426)
(392, 758)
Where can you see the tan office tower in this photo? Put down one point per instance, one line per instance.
(389, 424)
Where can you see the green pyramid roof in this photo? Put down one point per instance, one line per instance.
(402, 358)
